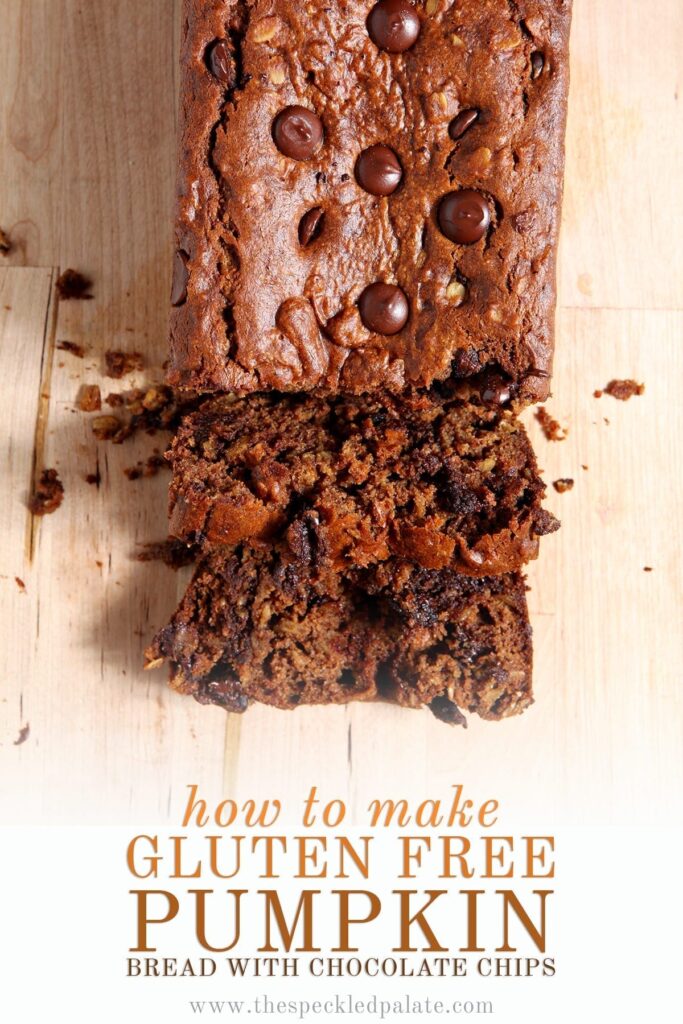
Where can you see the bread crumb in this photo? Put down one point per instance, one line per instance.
(120, 364)
(647, 568)
(550, 426)
(23, 735)
(107, 428)
(73, 285)
(563, 484)
(5, 243)
(72, 348)
(20, 583)
(89, 398)
(173, 553)
(48, 494)
(150, 468)
(156, 407)
(621, 389)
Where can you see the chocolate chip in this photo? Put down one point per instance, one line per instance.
(464, 216)
(383, 308)
(460, 124)
(393, 25)
(379, 171)
(446, 711)
(221, 62)
(495, 391)
(298, 132)
(537, 63)
(180, 278)
(226, 693)
(311, 225)
(303, 538)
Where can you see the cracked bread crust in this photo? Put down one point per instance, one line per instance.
(255, 309)
(352, 481)
(255, 627)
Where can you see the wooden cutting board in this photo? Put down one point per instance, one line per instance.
(87, 113)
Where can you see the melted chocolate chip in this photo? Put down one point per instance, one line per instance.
(311, 225)
(495, 391)
(384, 308)
(180, 278)
(464, 216)
(379, 171)
(298, 132)
(225, 693)
(393, 25)
(460, 124)
(446, 711)
(303, 538)
(537, 63)
(221, 62)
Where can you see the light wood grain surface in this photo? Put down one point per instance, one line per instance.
(87, 111)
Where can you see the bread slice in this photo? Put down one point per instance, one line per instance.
(256, 626)
(441, 479)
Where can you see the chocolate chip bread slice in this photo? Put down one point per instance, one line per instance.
(368, 193)
(352, 481)
(254, 627)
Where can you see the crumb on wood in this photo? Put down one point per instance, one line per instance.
(564, 484)
(647, 568)
(20, 583)
(23, 735)
(48, 494)
(173, 553)
(584, 467)
(89, 398)
(107, 428)
(150, 409)
(73, 285)
(5, 243)
(621, 389)
(98, 563)
(155, 463)
(72, 348)
(120, 364)
(545, 523)
(149, 468)
(550, 426)
(95, 479)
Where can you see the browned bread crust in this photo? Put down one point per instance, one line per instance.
(255, 309)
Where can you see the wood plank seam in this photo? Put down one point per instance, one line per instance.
(43, 411)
